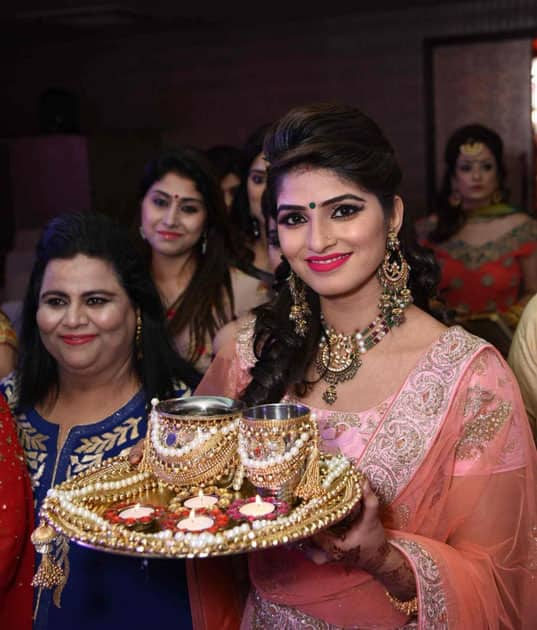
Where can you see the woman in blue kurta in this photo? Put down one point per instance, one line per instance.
(94, 351)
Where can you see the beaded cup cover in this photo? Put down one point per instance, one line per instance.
(193, 494)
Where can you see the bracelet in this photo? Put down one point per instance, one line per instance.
(410, 607)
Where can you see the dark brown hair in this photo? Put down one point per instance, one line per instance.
(207, 303)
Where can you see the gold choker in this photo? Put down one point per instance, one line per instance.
(338, 359)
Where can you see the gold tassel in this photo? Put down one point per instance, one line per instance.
(145, 463)
(310, 484)
(57, 594)
(48, 575)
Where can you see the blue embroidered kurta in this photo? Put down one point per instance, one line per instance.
(103, 591)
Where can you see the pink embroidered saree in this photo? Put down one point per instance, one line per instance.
(453, 462)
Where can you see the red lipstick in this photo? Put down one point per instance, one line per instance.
(169, 236)
(327, 263)
(77, 340)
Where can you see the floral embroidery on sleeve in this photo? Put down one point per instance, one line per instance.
(482, 430)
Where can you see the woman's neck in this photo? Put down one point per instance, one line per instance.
(94, 396)
(172, 274)
(350, 313)
(469, 206)
(261, 257)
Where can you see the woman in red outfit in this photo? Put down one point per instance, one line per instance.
(487, 248)
(16, 523)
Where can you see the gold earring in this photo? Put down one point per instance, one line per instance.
(300, 308)
(138, 337)
(393, 275)
(455, 199)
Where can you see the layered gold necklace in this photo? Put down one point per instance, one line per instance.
(338, 359)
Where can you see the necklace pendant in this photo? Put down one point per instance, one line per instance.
(330, 395)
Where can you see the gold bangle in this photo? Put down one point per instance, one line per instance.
(410, 607)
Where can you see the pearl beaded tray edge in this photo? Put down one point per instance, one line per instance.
(82, 524)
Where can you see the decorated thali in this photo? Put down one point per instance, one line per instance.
(263, 483)
(82, 510)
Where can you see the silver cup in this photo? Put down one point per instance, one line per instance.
(275, 441)
(193, 440)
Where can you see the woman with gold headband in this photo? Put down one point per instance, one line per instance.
(487, 248)
(431, 416)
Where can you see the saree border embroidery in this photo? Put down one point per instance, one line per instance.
(245, 346)
(483, 429)
(472, 257)
(401, 443)
(433, 611)
(268, 615)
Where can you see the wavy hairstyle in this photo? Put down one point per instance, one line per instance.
(98, 236)
(212, 278)
(450, 218)
(344, 140)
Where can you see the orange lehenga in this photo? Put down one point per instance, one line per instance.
(452, 459)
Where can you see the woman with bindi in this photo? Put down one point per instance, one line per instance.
(431, 416)
(195, 261)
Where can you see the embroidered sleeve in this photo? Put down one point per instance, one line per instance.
(486, 411)
(245, 353)
(245, 340)
(7, 334)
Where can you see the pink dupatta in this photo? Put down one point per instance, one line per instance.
(454, 465)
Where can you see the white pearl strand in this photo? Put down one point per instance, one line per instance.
(274, 460)
(201, 437)
(66, 498)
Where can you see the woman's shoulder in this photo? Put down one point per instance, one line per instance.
(517, 219)
(236, 338)
(437, 343)
(248, 291)
(9, 389)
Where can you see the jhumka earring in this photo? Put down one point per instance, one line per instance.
(300, 308)
(204, 243)
(393, 276)
(142, 233)
(138, 337)
(455, 199)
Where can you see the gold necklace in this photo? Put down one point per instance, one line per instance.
(338, 359)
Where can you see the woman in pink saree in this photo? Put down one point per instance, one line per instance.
(446, 536)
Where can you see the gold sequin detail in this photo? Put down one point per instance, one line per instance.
(403, 439)
(245, 343)
(268, 616)
(483, 429)
(432, 598)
